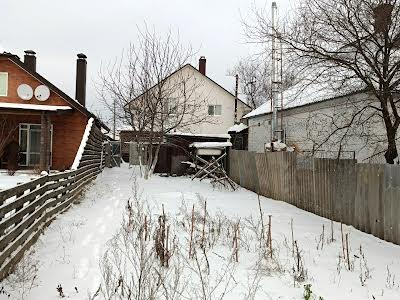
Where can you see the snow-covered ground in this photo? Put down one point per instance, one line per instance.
(7, 181)
(71, 249)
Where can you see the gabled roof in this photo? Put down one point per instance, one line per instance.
(75, 104)
(189, 65)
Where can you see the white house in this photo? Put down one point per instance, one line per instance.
(311, 122)
(214, 103)
(210, 114)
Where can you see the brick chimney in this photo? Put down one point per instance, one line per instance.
(80, 89)
(202, 65)
(30, 60)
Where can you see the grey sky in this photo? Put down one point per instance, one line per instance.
(59, 29)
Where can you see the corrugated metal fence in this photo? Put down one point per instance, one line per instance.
(366, 196)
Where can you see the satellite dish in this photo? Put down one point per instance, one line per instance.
(42, 93)
(25, 92)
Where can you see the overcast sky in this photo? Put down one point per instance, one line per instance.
(59, 29)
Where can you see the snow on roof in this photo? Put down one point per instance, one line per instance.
(216, 135)
(125, 128)
(238, 127)
(34, 106)
(211, 145)
(300, 95)
(82, 146)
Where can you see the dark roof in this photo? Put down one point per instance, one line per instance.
(202, 75)
(75, 104)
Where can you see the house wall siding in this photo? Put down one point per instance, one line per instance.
(200, 92)
(211, 94)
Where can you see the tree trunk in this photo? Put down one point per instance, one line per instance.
(155, 159)
(391, 152)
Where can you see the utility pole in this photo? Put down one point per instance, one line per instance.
(236, 97)
(276, 76)
(114, 120)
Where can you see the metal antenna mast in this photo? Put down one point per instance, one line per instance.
(276, 75)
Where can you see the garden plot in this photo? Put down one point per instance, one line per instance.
(174, 238)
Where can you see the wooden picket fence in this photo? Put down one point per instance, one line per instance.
(366, 196)
(28, 208)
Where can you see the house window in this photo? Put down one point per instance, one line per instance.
(214, 110)
(3, 84)
(29, 143)
(172, 106)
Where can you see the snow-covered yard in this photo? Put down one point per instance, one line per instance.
(71, 252)
(8, 181)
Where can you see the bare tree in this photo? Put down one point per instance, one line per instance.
(346, 45)
(153, 90)
(254, 81)
(255, 78)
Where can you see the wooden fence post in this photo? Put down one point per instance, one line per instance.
(108, 155)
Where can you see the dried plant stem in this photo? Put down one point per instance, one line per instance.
(270, 234)
(166, 255)
(191, 233)
(347, 251)
(145, 228)
(204, 225)
(343, 247)
(235, 241)
(332, 238)
(291, 228)
(262, 218)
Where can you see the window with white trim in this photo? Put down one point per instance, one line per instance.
(29, 143)
(3, 84)
(215, 110)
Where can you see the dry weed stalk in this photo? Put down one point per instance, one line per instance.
(391, 279)
(364, 269)
(299, 270)
(291, 228)
(191, 233)
(347, 252)
(235, 241)
(321, 239)
(202, 245)
(24, 276)
(262, 221)
(269, 236)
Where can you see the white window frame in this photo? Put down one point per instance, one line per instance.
(28, 126)
(6, 94)
(214, 106)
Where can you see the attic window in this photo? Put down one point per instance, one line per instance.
(172, 106)
(214, 110)
(3, 84)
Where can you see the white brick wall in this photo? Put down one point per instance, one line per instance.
(311, 124)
